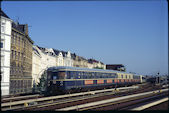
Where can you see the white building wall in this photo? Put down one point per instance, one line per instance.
(5, 54)
(36, 67)
(60, 59)
(42, 64)
(67, 60)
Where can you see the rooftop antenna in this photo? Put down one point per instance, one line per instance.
(17, 19)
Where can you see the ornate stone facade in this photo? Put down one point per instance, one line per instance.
(21, 59)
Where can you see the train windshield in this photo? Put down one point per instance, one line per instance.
(61, 75)
(57, 75)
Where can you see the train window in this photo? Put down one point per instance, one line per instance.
(107, 75)
(89, 75)
(50, 74)
(110, 75)
(104, 75)
(83, 73)
(98, 75)
(79, 73)
(86, 74)
(71, 75)
(54, 77)
(114, 75)
(68, 74)
(101, 76)
(61, 75)
(93, 74)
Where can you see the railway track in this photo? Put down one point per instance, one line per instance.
(86, 99)
(76, 97)
(118, 103)
(17, 98)
(52, 103)
(161, 106)
(35, 102)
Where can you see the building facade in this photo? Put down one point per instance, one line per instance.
(6, 24)
(43, 58)
(49, 57)
(36, 65)
(20, 59)
(68, 60)
(96, 64)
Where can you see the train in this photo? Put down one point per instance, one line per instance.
(63, 79)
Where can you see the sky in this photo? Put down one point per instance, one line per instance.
(132, 33)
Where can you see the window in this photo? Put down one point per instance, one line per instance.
(14, 54)
(61, 75)
(2, 28)
(14, 39)
(19, 41)
(2, 76)
(2, 60)
(54, 77)
(19, 56)
(2, 44)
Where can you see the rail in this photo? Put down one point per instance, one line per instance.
(108, 101)
(19, 97)
(149, 105)
(51, 98)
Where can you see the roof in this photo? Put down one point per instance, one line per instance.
(84, 69)
(34, 49)
(56, 51)
(3, 14)
(18, 27)
(64, 53)
(92, 61)
(73, 55)
(114, 65)
(21, 28)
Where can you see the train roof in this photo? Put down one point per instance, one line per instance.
(85, 69)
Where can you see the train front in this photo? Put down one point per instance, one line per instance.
(55, 81)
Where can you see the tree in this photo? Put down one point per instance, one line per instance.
(42, 85)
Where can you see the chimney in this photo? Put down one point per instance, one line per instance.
(26, 29)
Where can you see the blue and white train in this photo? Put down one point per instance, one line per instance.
(74, 79)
